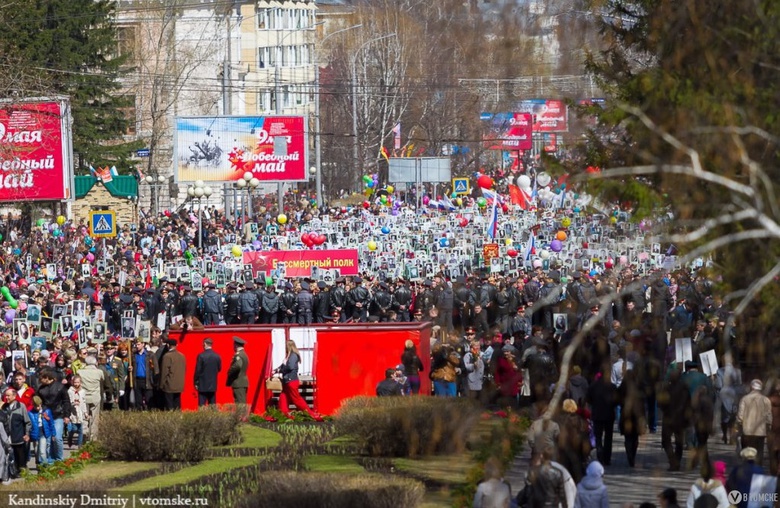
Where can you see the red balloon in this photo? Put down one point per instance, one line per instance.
(167, 213)
(584, 245)
(511, 253)
(609, 263)
(463, 222)
(504, 208)
(320, 239)
(305, 238)
(366, 204)
(485, 182)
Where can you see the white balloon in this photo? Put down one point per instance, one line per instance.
(543, 179)
(544, 254)
(524, 182)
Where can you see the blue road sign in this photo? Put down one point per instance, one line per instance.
(143, 152)
(102, 223)
(461, 186)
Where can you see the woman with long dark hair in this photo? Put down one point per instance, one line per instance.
(412, 366)
(290, 383)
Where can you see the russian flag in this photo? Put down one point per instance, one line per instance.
(529, 249)
(495, 196)
(492, 228)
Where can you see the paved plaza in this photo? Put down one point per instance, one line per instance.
(645, 481)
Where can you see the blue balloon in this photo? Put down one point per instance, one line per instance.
(17, 252)
(370, 184)
(443, 242)
(385, 230)
(576, 209)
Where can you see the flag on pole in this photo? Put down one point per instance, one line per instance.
(93, 172)
(530, 246)
(492, 229)
(397, 136)
(383, 153)
(518, 197)
(495, 196)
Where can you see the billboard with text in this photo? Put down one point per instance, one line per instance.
(223, 148)
(36, 153)
(508, 131)
(549, 115)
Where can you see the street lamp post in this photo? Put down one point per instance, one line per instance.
(250, 183)
(317, 137)
(355, 150)
(199, 190)
(156, 185)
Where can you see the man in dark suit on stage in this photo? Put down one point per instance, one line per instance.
(207, 367)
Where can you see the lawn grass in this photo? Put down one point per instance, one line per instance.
(188, 474)
(109, 470)
(333, 464)
(444, 469)
(255, 437)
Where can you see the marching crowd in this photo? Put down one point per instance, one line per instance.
(499, 338)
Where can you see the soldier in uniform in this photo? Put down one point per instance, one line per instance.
(359, 299)
(236, 375)
(402, 300)
(117, 375)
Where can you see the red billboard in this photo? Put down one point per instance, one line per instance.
(224, 148)
(549, 115)
(509, 131)
(298, 263)
(35, 151)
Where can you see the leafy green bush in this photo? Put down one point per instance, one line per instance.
(326, 490)
(408, 426)
(170, 436)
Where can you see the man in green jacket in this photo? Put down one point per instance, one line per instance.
(236, 375)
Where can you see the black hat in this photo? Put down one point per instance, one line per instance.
(305, 286)
(383, 285)
(250, 285)
(163, 279)
(691, 364)
(340, 280)
(171, 342)
(555, 275)
(238, 341)
(150, 291)
(212, 285)
(427, 283)
(232, 285)
(137, 291)
(357, 280)
(187, 289)
(321, 285)
(576, 275)
(115, 284)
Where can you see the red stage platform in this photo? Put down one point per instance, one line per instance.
(347, 360)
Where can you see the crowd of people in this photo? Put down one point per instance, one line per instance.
(87, 306)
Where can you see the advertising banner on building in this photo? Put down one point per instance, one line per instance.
(549, 115)
(298, 263)
(508, 131)
(35, 150)
(223, 148)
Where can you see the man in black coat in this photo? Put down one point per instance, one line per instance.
(212, 305)
(675, 403)
(55, 397)
(388, 386)
(602, 398)
(207, 366)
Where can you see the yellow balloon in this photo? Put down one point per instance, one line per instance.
(281, 219)
(613, 220)
(372, 245)
(508, 241)
(61, 220)
(459, 202)
(390, 189)
(236, 250)
(566, 222)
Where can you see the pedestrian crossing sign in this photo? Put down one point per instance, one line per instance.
(461, 186)
(102, 223)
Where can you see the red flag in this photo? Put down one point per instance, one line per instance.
(518, 197)
(383, 153)
(148, 283)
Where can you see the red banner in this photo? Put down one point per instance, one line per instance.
(34, 151)
(549, 115)
(298, 263)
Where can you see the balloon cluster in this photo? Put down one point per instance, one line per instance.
(312, 239)
(371, 183)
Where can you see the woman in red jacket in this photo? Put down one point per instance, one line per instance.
(508, 377)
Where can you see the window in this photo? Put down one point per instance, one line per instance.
(129, 113)
(267, 19)
(266, 57)
(265, 100)
(126, 42)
